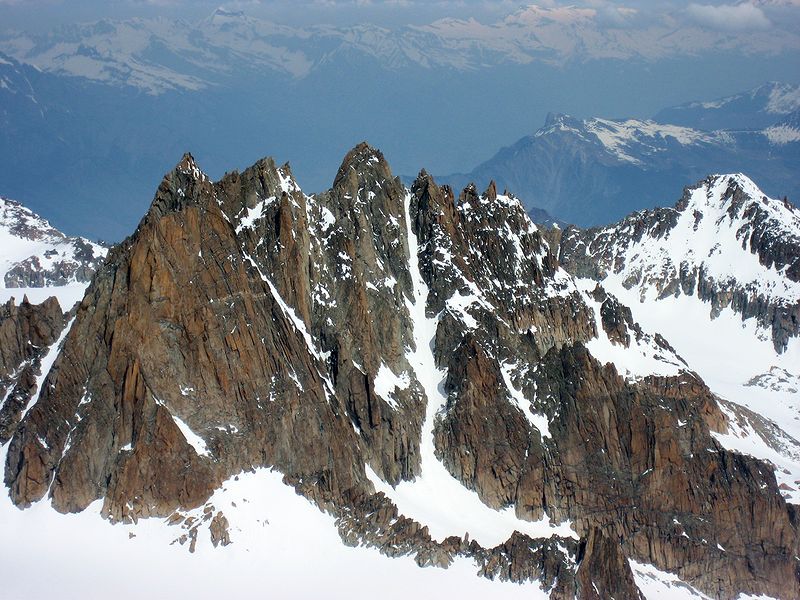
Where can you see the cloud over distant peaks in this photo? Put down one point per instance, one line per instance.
(729, 17)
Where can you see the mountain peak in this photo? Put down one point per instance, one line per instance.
(554, 118)
(491, 191)
(224, 13)
(185, 184)
(363, 159)
(188, 166)
(725, 242)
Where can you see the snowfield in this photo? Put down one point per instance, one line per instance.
(282, 547)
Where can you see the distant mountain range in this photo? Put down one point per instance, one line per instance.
(593, 171)
(159, 55)
(758, 108)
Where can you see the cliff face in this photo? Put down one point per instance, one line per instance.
(26, 333)
(366, 335)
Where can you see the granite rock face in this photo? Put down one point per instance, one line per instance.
(246, 324)
(26, 333)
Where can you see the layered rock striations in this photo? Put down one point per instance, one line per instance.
(247, 324)
(27, 332)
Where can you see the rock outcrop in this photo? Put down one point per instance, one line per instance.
(26, 333)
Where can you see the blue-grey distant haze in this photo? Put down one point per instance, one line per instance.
(99, 99)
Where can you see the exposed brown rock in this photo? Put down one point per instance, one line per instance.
(603, 571)
(482, 439)
(244, 324)
(26, 332)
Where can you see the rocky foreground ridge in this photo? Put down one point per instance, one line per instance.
(347, 338)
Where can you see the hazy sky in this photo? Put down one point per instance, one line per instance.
(753, 14)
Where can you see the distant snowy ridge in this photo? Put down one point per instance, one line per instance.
(752, 109)
(638, 141)
(725, 242)
(776, 98)
(38, 260)
(141, 53)
(593, 171)
(627, 140)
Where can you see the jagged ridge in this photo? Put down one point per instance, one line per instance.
(35, 254)
(247, 324)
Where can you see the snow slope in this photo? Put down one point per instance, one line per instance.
(281, 544)
(28, 239)
(709, 234)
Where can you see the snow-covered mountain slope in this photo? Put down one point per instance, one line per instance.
(725, 242)
(593, 171)
(718, 276)
(38, 260)
(757, 108)
(785, 131)
(419, 366)
(632, 140)
(275, 535)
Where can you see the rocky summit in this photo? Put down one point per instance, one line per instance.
(389, 348)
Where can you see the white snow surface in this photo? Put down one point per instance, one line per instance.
(254, 214)
(782, 134)
(783, 99)
(660, 585)
(624, 139)
(194, 440)
(436, 498)
(67, 295)
(281, 544)
(642, 358)
(386, 382)
(715, 242)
